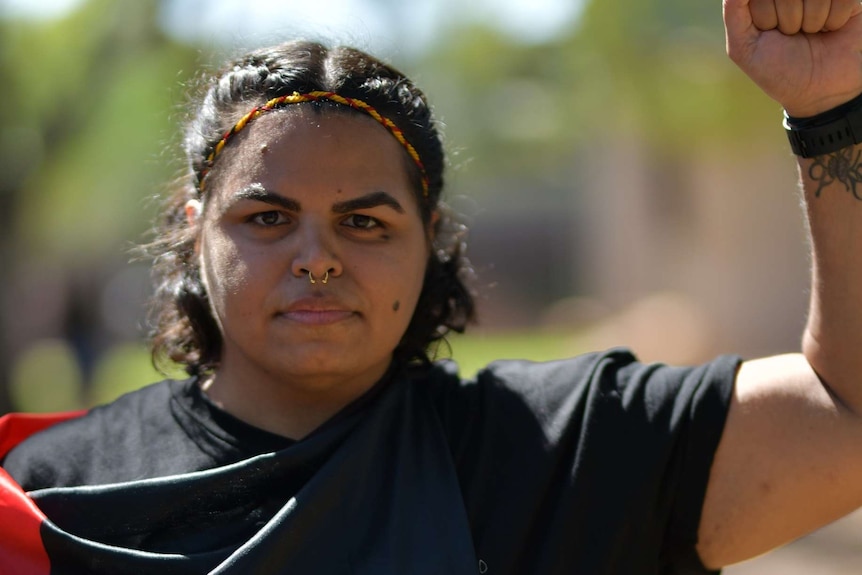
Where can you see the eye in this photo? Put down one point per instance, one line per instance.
(271, 218)
(361, 222)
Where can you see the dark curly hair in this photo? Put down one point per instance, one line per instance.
(184, 330)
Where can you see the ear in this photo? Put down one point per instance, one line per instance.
(194, 209)
(432, 226)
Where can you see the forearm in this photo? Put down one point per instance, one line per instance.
(788, 460)
(832, 187)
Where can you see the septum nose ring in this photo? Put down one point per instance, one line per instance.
(324, 281)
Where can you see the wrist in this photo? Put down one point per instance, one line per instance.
(821, 106)
(829, 131)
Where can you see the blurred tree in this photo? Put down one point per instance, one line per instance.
(604, 128)
(654, 68)
(86, 133)
(662, 61)
(84, 123)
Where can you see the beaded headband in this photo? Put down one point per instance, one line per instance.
(297, 98)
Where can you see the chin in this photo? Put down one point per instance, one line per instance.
(330, 361)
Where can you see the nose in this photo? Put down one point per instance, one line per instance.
(316, 259)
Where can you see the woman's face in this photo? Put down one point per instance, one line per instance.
(302, 193)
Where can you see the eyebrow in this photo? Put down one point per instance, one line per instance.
(367, 201)
(258, 193)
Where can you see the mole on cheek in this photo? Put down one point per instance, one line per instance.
(396, 306)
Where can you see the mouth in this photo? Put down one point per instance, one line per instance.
(316, 318)
(316, 312)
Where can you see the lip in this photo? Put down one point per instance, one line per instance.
(316, 311)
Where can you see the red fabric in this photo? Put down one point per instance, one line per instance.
(16, 427)
(21, 549)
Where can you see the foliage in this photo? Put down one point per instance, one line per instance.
(92, 102)
(86, 119)
(655, 70)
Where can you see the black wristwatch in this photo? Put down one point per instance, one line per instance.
(828, 132)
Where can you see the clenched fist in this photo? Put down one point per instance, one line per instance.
(806, 54)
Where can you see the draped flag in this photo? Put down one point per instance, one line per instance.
(374, 493)
(21, 549)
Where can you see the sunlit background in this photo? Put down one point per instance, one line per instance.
(624, 183)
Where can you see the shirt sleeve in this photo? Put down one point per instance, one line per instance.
(601, 462)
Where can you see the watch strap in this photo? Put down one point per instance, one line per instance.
(828, 132)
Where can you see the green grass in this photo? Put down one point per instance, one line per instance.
(474, 351)
(47, 379)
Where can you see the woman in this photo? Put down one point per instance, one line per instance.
(307, 265)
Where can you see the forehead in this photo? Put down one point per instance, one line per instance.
(303, 146)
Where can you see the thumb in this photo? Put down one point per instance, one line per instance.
(851, 18)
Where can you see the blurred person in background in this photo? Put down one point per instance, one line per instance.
(307, 266)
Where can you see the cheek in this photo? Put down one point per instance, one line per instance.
(224, 270)
(392, 280)
(405, 298)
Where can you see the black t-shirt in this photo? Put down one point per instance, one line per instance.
(596, 464)
(163, 429)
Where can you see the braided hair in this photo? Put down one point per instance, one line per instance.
(184, 330)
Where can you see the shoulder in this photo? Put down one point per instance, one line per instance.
(603, 387)
(610, 373)
(62, 453)
(521, 374)
(507, 396)
(612, 380)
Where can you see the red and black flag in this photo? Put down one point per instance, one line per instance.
(21, 548)
(373, 493)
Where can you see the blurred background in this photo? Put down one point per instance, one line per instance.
(623, 182)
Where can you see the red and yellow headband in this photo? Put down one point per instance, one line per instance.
(297, 98)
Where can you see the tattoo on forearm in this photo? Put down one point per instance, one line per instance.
(843, 167)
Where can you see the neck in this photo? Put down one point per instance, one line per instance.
(291, 407)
